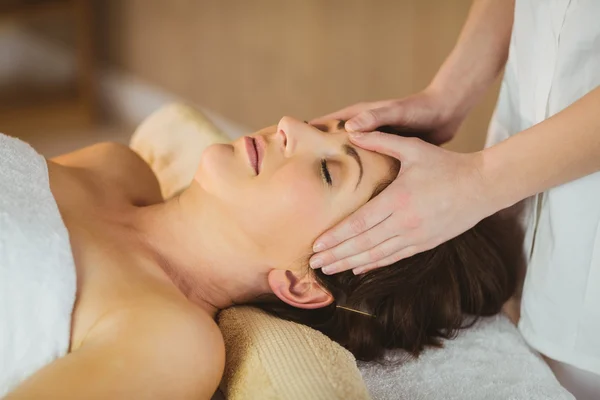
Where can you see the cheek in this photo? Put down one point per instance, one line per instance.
(290, 210)
(300, 202)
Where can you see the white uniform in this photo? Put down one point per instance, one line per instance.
(554, 60)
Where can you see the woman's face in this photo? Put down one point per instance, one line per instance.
(286, 184)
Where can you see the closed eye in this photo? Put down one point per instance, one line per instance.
(325, 173)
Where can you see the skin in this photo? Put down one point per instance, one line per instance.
(152, 275)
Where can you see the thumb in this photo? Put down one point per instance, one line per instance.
(369, 120)
(395, 146)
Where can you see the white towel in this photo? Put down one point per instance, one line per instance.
(37, 271)
(488, 361)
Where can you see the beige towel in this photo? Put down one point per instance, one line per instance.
(269, 358)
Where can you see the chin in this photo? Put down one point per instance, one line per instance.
(217, 168)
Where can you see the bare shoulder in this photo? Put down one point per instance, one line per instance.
(177, 343)
(142, 351)
(118, 166)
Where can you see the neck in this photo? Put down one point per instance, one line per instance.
(200, 255)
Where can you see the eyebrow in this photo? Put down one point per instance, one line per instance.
(349, 150)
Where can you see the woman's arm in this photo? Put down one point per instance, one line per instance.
(149, 355)
(479, 54)
(556, 151)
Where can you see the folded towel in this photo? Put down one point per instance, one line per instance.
(488, 361)
(37, 271)
(272, 359)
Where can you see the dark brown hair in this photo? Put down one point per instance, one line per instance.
(420, 300)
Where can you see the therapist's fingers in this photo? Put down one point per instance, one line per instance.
(387, 261)
(368, 257)
(354, 246)
(399, 147)
(373, 118)
(347, 113)
(420, 115)
(361, 220)
(343, 114)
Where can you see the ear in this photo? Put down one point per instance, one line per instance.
(302, 292)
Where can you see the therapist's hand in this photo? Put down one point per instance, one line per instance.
(437, 195)
(432, 115)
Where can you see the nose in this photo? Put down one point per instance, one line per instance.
(287, 131)
(296, 136)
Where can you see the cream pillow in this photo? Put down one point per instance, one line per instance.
(267, 357)
(171, 141)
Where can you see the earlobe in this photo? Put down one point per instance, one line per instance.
(301, 292)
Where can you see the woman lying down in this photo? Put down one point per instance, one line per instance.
(151, 276)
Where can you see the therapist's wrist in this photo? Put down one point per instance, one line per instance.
(500, 184)
(453, 98)
(478, 190)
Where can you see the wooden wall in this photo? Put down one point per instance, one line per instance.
(257, 60)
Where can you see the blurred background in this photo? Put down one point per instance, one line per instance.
(74, 72)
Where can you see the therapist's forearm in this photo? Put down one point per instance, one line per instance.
(479, 54)
(558, 150)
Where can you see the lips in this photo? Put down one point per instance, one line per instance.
(255, 150)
